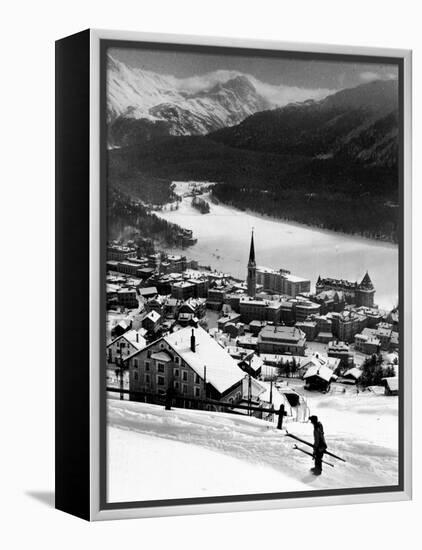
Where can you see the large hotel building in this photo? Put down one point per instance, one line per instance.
(281, 281)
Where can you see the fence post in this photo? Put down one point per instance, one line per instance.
(168, 399)
(281, 414)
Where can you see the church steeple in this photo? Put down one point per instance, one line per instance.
(252, 251)
(251, 279)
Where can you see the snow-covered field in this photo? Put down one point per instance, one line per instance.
(154, 454)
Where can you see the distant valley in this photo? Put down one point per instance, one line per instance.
(329, 163)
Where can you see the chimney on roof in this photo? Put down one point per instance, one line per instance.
(137, 337)
(192, 341)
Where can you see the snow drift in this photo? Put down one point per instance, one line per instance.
(154, 453)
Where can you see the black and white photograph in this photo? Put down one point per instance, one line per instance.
(252, 273)
(216, 202)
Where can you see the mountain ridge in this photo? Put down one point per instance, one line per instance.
(324, 128)
(142, 104)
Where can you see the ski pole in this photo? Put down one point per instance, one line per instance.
(310, 445)
(310, 454)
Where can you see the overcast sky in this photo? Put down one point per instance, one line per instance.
(289, 72)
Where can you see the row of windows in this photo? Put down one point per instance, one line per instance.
(176, 385)
(160, 368)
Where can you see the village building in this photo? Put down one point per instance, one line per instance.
(304, 308)
(189, 363)
(248, 342)
(157, 303)
(177, 263)
(271, 280)
(281, 339)
(360, 294)
(388, 339)
(111, 295)
(319, 377)
(230, 317)
(294, 285)
(367, 344)
(121, 327)
(352, 375)
(200, 287)
(341, 351)
(281, 281)
(216, 297)
(145, 273)
(126, 297)
(287, 312)
(128, 268)
(373, 315)
(182, 290)
(170, 307)
(112, 265)
(329, 300)
(191, 311)
(238, 353)
(383, 333)
(391, 385)
(256, 326)
(324, 337)
(252, 365)
(309, 328)
(234, 330)
(125, 345)
(120, 253)
(152, 321)
(252, 309)
(195, 306)
(232, 299)
(347, 324)
(318, 360)
(148, 292)
(324, 323)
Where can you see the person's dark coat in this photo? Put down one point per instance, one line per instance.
(320, 446)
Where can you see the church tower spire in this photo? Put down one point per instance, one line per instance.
(251, 279)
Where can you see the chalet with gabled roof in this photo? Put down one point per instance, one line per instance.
(189, 363)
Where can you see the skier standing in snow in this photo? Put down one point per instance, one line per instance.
(320, 445)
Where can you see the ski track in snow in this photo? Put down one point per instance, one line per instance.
(256, 442)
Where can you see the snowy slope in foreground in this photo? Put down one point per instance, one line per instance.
(153, 454)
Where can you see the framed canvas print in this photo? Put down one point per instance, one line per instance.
(233, 279)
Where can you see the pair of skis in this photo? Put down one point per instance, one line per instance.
(310, 445)
(310, 454)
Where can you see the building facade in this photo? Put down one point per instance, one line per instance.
(360, 294)
(190, 364)
(281, 340)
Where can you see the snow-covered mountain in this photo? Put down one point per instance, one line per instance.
(143, 104)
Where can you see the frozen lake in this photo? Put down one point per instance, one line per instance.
(224, 236)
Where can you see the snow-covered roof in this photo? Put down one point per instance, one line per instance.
(315, 361)
(222, 371)
(321, 371)
(392, 382)
(153, 316)
(354, 373)
(295, 278)
(148, 290)
(133, 337)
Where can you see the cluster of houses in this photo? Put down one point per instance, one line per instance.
(264, 323)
